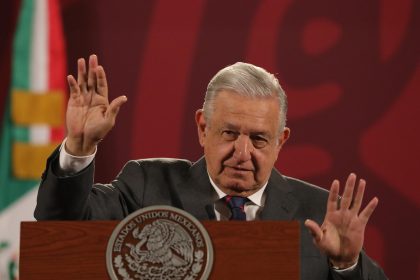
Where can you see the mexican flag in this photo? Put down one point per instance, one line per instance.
(33, 121)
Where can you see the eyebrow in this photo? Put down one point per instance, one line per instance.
(236, 128)
(230, 126)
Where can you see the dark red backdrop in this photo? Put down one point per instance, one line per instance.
(351, 70)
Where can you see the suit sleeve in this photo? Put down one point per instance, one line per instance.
(366, 269)
(76, 197)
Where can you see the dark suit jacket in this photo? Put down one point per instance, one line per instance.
(185, 185)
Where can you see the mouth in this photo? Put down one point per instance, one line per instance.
(238, 169)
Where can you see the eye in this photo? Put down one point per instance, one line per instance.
(229, 135)
(259, 141)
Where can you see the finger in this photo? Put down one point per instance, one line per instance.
(333, 196)
(367, 212)
(73, 86)
(357, 202)
(114, 107)
(81, 74)
(102, 83)
(93, 64)
(348, 192)
(315, 230)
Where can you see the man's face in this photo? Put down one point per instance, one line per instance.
(241, 141)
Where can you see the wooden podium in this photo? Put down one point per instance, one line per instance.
(76, 250)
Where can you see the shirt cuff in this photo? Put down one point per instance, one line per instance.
(70, 164)
(344, 271)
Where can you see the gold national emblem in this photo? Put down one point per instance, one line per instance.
(159, 242)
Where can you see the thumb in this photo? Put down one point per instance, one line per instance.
(114, 107)
(315, 230)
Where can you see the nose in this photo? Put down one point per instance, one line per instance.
(243, 148)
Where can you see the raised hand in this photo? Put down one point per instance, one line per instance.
(89, 115)
(341, 234)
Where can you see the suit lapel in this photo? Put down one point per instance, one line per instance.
(280, 203)
(196, 193)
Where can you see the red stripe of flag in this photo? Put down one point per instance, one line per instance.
(56, 60)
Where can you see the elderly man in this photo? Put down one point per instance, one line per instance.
(241, 129)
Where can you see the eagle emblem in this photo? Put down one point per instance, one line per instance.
(162, 244)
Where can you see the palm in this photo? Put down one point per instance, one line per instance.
(338, 228)
(85, 116)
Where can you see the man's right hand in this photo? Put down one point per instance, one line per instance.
(89, 115)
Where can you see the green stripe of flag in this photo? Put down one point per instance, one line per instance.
(11, 188)
(20, 134)
(22, 47)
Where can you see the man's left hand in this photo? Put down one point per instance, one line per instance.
(341, 234)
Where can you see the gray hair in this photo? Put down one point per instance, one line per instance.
(247, 80)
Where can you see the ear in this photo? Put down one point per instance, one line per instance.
(201, 126)
(283, 138)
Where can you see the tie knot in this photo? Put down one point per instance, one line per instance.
(236, 205)
(235, 201)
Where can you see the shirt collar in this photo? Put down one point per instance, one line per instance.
(256, 198)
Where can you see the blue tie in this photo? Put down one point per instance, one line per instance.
(236, 205)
